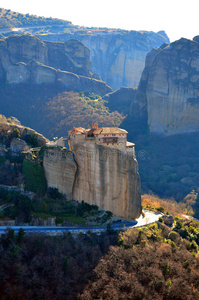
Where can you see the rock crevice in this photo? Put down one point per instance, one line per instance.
(97, 175)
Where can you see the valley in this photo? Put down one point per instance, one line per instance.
(99, 162)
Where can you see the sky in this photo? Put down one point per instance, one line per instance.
(177, 18)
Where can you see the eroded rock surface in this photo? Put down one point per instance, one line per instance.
(18, 145)
(28, 59)
(169, 88)
(60, 170)
(98, 175)
(119, 57)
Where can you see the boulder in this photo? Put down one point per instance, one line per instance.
(168, 220)
(17, 146)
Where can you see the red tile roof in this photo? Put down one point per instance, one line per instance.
(78, 130)
(102, 130)
(110, 130)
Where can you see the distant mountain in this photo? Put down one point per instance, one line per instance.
(50, 86)
(30, 60)
(117, 55)
(11, 19)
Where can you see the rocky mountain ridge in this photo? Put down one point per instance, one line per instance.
(116, 55)
(28, 59)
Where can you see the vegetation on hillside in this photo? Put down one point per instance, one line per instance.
(51, 206)
(52, 111)
(39, 267)
(170, 206)
(10, 19)
(34, 177)
(48, 28)
(168, 166)
(153, 262)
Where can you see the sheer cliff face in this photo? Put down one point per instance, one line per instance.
(60, 170)
(119, 58)
(28, 59)
(104, 176)
(70, 56)
(169, 88)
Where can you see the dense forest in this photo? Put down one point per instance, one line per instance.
(154, 262)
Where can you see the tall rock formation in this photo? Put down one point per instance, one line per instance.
(98, 175)
(71, 56)
(60, 170)
(28, 59)
(119, 57)
(116, 55)
(169, 88)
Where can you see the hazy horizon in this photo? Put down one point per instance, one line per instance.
(177, 19)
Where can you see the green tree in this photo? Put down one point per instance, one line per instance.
(20, 235)
(34, 177)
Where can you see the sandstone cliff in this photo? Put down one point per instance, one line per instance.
(169, 88)
(28, 59)
(60, 170)
(98, 175)
(70, 56)
(119, 57)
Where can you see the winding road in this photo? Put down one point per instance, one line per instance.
(150, 217)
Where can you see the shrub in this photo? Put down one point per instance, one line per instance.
(194, 246)
(2, 159)
(32, 140)
(34, 177)
(16, 133)
(178, 225)
(160, 209)
(166, 269)
(54, 193)
(174, 236)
